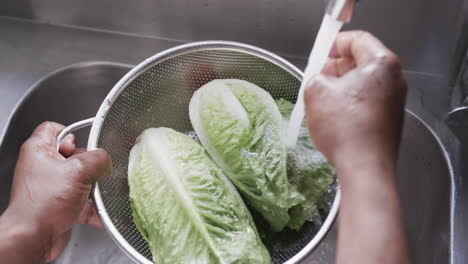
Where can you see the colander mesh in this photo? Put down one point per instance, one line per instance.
(159, 96)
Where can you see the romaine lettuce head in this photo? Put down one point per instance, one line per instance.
(184, 207)
(240, 126)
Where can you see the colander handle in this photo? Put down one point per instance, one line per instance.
(72, 128)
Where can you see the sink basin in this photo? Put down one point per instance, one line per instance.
(75, 93)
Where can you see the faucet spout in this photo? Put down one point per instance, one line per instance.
(341, 10)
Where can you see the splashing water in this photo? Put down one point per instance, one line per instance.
(318, 57)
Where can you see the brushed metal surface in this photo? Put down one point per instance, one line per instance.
(424, 32)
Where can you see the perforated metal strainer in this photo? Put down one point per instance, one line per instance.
(157, 93)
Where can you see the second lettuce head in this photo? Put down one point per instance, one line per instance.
(241, 127)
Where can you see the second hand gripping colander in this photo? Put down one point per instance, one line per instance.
(157, 93)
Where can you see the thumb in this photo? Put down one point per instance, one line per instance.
(88, 167)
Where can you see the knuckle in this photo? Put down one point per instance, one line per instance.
(392, 60)
(314, 87)
(27, 145)
(389, 64)
(364, 37)
(364, 34)
(47, 125)
(317, 83)
(357, 32)
(32, 143)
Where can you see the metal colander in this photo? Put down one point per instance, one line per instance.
(157, 93)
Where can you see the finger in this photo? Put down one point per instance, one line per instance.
(361, 46)
(78, 151)
(89, 216)
(337, 67)
(90, 166)
(47, 132)
(67, 147)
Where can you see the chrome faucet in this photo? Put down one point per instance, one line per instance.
(341, 10)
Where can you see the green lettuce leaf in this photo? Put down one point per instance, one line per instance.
(240, 126)
(308, 171)
(184, 207)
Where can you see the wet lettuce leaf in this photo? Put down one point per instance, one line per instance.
(240, 126)
(308, 171)
(183, 205)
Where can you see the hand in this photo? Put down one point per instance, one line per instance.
(50, 190)
(354, 111)
(356, 106)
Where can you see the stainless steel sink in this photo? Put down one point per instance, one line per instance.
(75, 92)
